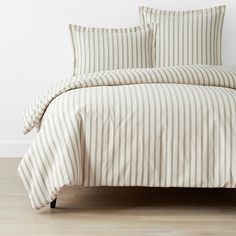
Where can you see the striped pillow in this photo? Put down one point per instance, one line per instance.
(98, 49)
(186, 37)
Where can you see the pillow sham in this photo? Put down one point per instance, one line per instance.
(186, 37)
(99, 49)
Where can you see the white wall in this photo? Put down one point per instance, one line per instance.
(35, 49)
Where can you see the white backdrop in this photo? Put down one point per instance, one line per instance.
(35, 48)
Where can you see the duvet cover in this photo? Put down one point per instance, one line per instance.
(166, 127)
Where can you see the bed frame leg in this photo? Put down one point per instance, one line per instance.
(53, 203)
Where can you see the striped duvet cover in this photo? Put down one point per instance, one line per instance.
(173, 126)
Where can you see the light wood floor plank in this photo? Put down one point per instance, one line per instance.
(116, 211)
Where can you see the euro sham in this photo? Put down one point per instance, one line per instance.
(100, 49)
(186, 37)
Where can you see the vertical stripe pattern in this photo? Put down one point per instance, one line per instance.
(186, 37)
(100, 49)
(172, 126)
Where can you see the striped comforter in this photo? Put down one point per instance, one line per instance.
(173, 126)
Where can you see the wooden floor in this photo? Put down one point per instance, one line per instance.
(116, 211)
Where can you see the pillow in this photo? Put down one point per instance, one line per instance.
(186, 37)
(99, 49)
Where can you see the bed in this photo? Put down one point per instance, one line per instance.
(146, 106)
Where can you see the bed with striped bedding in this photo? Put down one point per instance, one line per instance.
(166, 127)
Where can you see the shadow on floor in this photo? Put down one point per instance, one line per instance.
(110, 199)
